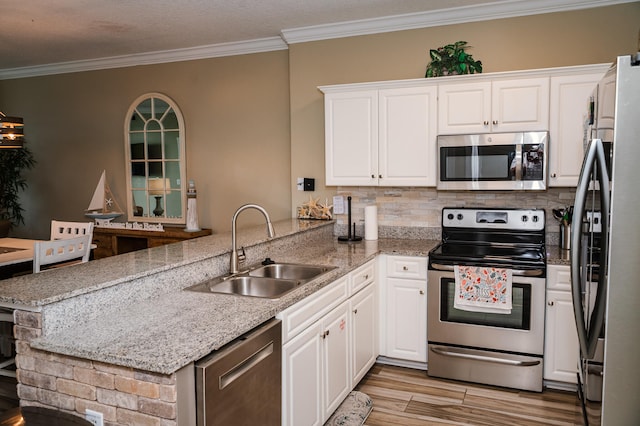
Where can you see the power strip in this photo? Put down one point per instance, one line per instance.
(94, 417)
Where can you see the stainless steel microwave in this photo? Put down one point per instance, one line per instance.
(493, 161)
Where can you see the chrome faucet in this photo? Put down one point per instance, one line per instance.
(233, 268)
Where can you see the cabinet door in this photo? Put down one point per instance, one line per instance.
(561, 339)
(364, 346)
(335, 348)
(464, 108)
(351, 138)
(407, 132)
(520, 105)
(302, 378)
(568, 113)
(406, 319)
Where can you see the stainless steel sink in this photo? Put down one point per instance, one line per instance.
(245, 285)
(269, 281)
(290, 271)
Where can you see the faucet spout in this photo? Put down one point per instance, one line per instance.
(233, 267)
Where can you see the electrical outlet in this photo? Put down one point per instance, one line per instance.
(94, 417)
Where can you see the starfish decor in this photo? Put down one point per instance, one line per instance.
(312, 209)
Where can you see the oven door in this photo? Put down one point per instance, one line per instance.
(493, 349)
(521, 331)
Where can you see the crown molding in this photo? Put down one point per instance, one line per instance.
(488, 11)
(176, 55)
(458, 15)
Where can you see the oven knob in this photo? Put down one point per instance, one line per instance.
(460, 216)
(534, 218)
(525, 218)
(450, 216)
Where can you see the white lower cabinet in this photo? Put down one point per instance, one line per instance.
(329, 344)
(364, 336)
(403, 306)
(561, 347)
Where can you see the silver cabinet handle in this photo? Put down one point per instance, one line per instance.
(551, 303)
(404, 268)
(486, 123)
(373, 176)
(355, 311)
(380, 176)
(421, 292)
(495, 122)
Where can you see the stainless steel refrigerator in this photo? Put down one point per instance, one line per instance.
(605, 251)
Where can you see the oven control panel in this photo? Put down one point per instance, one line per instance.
(517, 219)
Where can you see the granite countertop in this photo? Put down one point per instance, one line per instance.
(165, 333)
(557, 256)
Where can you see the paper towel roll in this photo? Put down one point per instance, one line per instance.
(371, 223)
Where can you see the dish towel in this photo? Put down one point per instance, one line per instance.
(482, 289)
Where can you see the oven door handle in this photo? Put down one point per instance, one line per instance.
(516, 272)
(454, 354)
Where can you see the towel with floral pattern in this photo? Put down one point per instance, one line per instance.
(483, 289)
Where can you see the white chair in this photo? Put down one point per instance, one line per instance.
(61, 230)
(56, 253)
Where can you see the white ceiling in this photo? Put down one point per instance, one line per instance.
(40, 37)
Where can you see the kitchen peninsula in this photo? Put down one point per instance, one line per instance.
(115, 335)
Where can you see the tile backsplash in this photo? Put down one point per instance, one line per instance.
(422, 207)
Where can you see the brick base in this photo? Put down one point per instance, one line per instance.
(124, 396)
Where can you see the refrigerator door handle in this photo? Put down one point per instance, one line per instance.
(594, 161)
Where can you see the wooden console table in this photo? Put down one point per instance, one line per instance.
(113, 241)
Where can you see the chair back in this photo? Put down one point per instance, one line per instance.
(63, 252)
(61, 230)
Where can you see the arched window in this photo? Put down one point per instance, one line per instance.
(155, 160)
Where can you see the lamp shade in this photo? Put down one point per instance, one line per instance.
(11, 132)
(158, 186)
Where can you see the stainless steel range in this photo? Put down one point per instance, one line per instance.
(492, 343)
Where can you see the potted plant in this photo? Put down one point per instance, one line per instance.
(13, 162)
(451, 60)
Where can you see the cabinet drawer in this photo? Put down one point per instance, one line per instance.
(299, 316)
(407, 267)
(362, 276)
(559, 277)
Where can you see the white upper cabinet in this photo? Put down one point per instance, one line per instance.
(381, 137)
(499, 105)
(569, 106)
(384, 133)
(407, 136)
(351, 138)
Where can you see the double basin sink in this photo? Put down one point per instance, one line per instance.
(270, 281)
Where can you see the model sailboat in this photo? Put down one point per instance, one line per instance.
(103, 204)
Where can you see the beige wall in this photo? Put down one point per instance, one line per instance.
(236, 112)
(541, 41)
(255, 122)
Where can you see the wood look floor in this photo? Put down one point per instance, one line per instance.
(408, 397)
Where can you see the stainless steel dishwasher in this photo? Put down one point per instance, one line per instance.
(240, 384)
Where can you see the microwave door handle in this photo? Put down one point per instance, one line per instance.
(518, 161)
